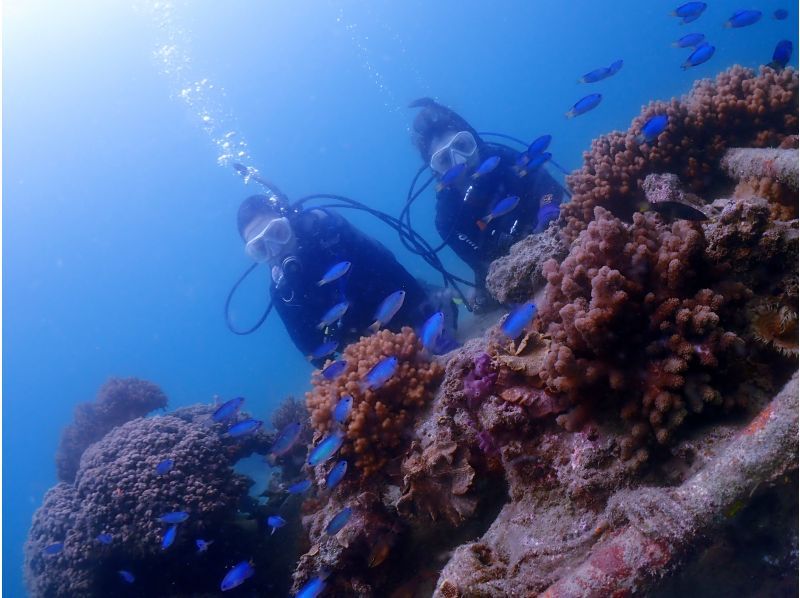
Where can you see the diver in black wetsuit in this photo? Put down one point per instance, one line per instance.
(300, 246)
(444, 139)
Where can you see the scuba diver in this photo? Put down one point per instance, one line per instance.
(489, 195)
(330, 281)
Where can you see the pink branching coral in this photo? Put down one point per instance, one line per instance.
(738, 108)
(630, 319)
(381, 417)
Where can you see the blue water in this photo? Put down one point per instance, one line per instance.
(119, 236)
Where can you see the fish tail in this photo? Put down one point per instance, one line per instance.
(475, 176)
(374, 327)
(570, 114)
(320, 283)
(727, 25)
(582, 80)
(775, 65)
(439, 186)
(272, 533)
(481, 224)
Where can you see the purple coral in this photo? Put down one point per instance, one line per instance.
(479, 383)
(118, 491)
(119, 400)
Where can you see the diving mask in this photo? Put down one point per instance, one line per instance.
(270, 241)
(460, 149)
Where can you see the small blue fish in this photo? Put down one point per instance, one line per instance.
(451, 175)
(781, 55)
(237, 576)
(336, 474)
(585, 104)
(548, 211)
(126, 576)
(742, 18)
(500, 208)
(227, 410)
(312, 588)
(339, 521)
(690, 9)
(164, 467)
(333, 315)
(244, 427)
(286, 439)
(343, 408)
(380, 373)
(334, 369)
(653, 128)
(105, 539)
(299, 487)
(615, 67)
(432, 331)
(202, 545)
(335, 272)
(538, 145)
(701, 54)
(275, 522)
(53, 548)
(387, 310)
(169, 537)
(488, 165)
(519, 319)
(535, 163)
(323, 350)
(326, 449)
(174, 517)
(780, 14)
(689, 40)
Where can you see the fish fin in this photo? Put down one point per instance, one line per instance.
(582, 80)
(481, 224)
(422, 103)
(474, 176)
(775, 65)
(374, 327)
(320, 283)
(439, 187)
(272, 533)
(570, 114)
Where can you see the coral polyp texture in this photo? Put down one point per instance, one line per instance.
(119, 400)
(737, 109)
(632, 321)
(380, 419)
(119, 491)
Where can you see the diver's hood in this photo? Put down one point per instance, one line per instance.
(261, 205)
(435, 120)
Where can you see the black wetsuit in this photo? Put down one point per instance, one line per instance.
(459, 208)
(324, 238)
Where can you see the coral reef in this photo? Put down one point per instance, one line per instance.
(380, 417)
(119, 400)
(738, 109)
(118, 491)
(631, 320)
(518, 276)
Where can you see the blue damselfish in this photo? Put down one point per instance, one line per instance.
(519, 319)
(326, 449)
(700, 55)
(585, 104)
(380, 373)
(237, 576)
(286, 439)
(343, 407)
(336, 474)
(335, 272)
(244, 427)
(339, 521)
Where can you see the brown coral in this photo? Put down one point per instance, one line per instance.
(381, 417)
(630, 320)
(737, 108)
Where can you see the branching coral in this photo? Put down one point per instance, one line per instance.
(119, 400)
(380, 417)
(629, 319)
(738, 108)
